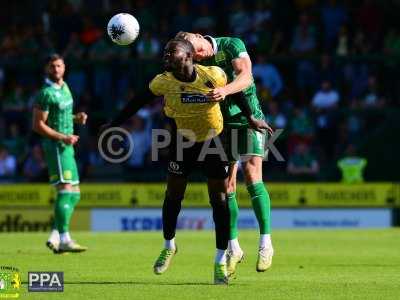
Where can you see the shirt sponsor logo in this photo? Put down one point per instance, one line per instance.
(193, 98)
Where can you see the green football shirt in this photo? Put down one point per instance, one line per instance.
(58, 102)
(227, 49)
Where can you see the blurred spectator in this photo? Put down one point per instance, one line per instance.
(90, 32)
(301, 129)
(342, 48)
(303, 45)
(302, 162)
(304, 37)
(141, 136)
(182, 19)
(274, 117)
(14, 141)
(73, 56)
(326, 97)
(352, 166)
(333, 18)
(239, 19)
(34, 168)
(361, 44)
(269, 75)
(14, 105)
(325, 103)
(278, 43)
(327, 70)
(372, 96)
(101, 53)
(204, 21)
(8, 163)
(148, 46)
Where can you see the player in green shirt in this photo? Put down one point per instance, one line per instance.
(231, 55)
(53, 120)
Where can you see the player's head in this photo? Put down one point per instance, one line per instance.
(202, 47)
(177, 54)
(55, 67)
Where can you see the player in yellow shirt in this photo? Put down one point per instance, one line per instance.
(198, 121)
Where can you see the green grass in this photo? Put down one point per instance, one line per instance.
(325, 264)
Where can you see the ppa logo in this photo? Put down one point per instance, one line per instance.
(46, 281)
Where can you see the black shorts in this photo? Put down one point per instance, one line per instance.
(183, 160)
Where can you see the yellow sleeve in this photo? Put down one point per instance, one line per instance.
(156, 86)
(217, 76)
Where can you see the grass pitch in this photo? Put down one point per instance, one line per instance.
(323, 264)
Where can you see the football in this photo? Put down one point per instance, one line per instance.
(123, 29)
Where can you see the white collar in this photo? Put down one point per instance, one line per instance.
(213, 43)
(52, 83)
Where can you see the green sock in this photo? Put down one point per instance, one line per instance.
(234, 211)
(63, 210)
(261, 205)
(75, 198)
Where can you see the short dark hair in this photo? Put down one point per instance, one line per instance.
(52, 57)
(183, 43)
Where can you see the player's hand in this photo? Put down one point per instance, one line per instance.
(81, 118)
(217, 94)
(260, 125)
(70, 139)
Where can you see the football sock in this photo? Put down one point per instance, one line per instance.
(265, 241)
(170, 244)
(234, 211)
(221, 220)
(261, 205)
(170, 211)
(220, 257)
(54, 236)
(63, 210)
(234, 245)
(65, 237)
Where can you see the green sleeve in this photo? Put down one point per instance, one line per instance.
(236, 48)
(42, 101)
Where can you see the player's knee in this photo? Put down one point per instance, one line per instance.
(252, 170)
(231, 185)
(217, 199)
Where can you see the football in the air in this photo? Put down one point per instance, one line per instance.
(123, 29)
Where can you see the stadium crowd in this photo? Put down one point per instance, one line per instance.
(326, 72)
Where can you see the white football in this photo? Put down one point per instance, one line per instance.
(123, 29)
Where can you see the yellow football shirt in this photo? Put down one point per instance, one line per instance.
(196, 118)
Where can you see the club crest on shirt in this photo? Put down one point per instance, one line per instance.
(220, 57)
(209, 84)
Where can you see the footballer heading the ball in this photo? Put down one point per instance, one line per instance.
(123, 29)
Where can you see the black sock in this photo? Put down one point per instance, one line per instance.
(170, 212)
(221, 218)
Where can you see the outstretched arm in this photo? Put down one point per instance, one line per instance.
(243, 79)
(131, 108)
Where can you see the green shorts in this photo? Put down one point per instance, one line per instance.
(244, 142)
(61, 163)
